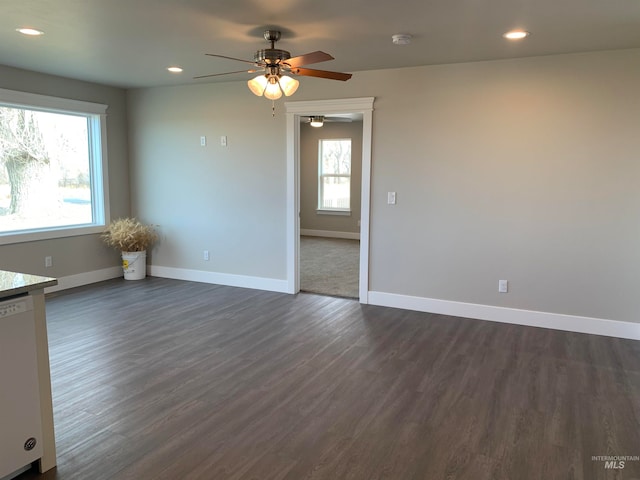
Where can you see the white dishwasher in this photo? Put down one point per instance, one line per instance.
(20, 422)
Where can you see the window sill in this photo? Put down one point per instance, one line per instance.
(345, 213)
(49, 234)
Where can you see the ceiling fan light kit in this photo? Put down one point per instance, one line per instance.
(275, 63)
(273, 84)
(316, 121)
(288, 85)
(258, 85)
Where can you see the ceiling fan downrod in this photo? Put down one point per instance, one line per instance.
(272, 36)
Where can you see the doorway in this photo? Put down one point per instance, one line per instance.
(296, 113)
(330, 198)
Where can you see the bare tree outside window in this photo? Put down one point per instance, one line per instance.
(44, 169)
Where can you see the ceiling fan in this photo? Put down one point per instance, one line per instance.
(274, 63)
(319, 120)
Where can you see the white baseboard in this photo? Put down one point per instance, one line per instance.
(86, 278)
(228, 279)
(556, 321)
(80, 279)
(329, 234)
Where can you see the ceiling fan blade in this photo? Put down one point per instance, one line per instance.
(230, 58)
(329, 119)
(225, 73)
(308, 72)
(307, 59)
(338, 119)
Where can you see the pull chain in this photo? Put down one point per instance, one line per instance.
(273, 108)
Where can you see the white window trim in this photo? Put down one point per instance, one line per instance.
(325, 211)
(99, 202)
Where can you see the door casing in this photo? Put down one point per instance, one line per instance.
(294, 110)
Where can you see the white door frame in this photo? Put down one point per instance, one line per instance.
(294, 111)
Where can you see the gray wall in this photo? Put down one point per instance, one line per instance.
(227, 200)
(525, 170)
(309, 138)
(86, 253)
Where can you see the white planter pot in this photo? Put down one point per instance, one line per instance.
(134, 265)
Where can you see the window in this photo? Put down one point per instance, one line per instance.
(52, 167)
(334, 176)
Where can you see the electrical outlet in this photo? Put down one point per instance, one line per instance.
(205, 255)
(48, 262)
(203, 141)
(503, 286)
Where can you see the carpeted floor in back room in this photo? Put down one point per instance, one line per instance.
(329, 266)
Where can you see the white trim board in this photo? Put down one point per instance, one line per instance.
(329, 234)
(26, 99)
(294, 110)
(85, 278)
(336, 105)
(244, 281)
(228, 279)
(555, 321)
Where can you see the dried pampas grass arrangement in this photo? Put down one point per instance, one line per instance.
(129, 235)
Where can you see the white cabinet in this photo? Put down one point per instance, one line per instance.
(20, 422)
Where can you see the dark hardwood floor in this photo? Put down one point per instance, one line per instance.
(163, 379)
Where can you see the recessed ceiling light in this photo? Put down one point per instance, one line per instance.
(175, 69)
(30, 31)
(516, 35)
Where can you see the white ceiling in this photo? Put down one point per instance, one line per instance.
(129, 43)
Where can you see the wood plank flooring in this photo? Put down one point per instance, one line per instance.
(164, 379)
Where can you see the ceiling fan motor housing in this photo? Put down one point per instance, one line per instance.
(271, 56)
